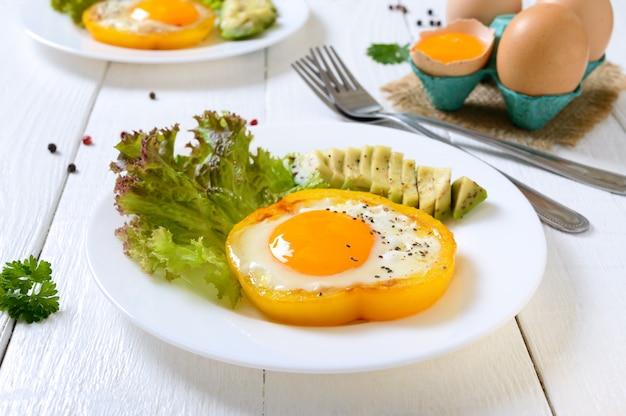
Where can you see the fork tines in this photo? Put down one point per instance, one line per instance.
(332, 69)
(309, 73)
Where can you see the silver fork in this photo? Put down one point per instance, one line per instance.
(337, 88)
(358, 101)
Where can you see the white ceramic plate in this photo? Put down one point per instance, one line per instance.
(500, 263)
(58, 31)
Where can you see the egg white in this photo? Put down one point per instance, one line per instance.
(398, 251)
(119, 14)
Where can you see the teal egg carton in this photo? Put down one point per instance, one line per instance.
(525, 111)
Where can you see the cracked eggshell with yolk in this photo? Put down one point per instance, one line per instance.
(464, 65)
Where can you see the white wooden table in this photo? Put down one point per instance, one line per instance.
(564, 354)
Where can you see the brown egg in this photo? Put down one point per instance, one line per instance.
(597, 18)
(483, 10)
(543, 51)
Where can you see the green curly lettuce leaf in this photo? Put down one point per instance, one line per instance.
(73, 8)
(27, 291)
(182, 206)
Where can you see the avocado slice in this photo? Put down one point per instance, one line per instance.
(334, 160)
(443, 192)
(306, 164)
(365, 165)
(426, 189)
(410, 196)
(351, 171)
(380, 170)
(395, 177)
(241, 19)
(466, 194)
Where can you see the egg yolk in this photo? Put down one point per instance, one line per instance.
(451, 47)
(322, 242)
(171, 12)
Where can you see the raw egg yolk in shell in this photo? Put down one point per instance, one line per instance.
(451, 47)
(325, 257)
(149, 24)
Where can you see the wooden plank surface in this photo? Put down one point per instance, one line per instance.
(39, 104)
(563, 355)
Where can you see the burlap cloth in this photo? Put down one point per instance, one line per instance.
(484, 109)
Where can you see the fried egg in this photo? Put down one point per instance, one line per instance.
(320, 243)
(149, 24)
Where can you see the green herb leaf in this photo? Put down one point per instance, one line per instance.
(27, 291)
(389, 53)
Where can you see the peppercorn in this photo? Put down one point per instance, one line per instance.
(71, 168)
(152, 95)
(87, 140)
(52, 147)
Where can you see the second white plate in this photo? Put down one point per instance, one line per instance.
(58, 31)
(500, 262)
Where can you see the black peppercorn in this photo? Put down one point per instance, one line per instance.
(71, 168)
(52, 147)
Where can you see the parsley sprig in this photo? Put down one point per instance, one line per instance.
(389, 53)
(27, 291)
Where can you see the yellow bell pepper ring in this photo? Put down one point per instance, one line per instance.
(116, 27)
(328, 300)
